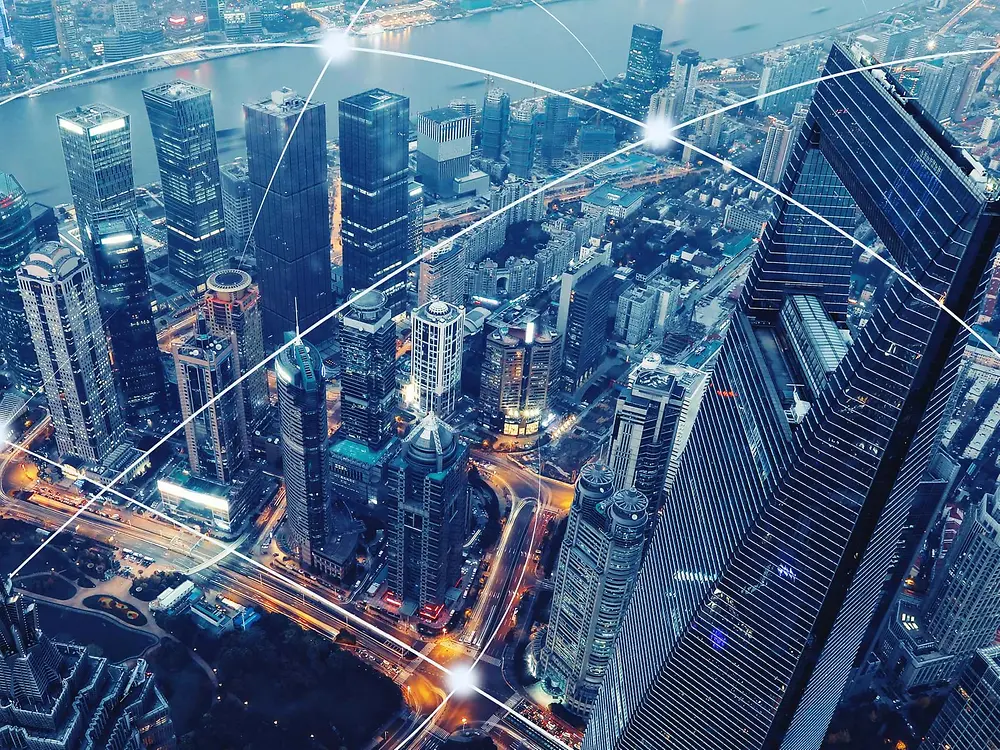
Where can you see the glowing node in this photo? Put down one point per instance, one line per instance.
(932, 44)
(336, 46)
(659, 132)
(463, 680)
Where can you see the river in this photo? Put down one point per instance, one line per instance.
(522, 42)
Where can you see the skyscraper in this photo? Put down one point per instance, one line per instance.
(36, 27)
(441, 275)
(59, 696)
(97, 146)
(304, 432)
(444, 149)
(183, 123)
(16, 238)
(555, 134)
(584, 297)
(375, 172)
(6, 35)
(428, 516)
(238, 206)
(217, 437)
(60, 303)
(496, 123)
(415, 219)
(652, 424)
(523, 137)
(968, 719)
(368, 393)
(786, 68)
(685, 82)
(779, 552)
(436, 357)
(125, 298)
(232, 311)
(777, 152)
(643, 74)
(594, 578)
(67, 31)
(292, 236)
(518, 371)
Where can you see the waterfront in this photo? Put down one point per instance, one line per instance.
(519, 42)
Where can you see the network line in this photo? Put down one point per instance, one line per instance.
(569, 31)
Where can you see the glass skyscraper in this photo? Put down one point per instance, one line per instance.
(374, 172)
(496, 122)
(183, 124)
(778, 553)
(16, 236)
(292, 236)
(644, 73)
(125, 298)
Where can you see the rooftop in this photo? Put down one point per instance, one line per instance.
(92, 115)
(178, 90)
(442, 115)
(609, 195)
(374, 99)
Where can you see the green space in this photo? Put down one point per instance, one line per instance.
(183, 683)
(51, 585)
(114, 606)
(147, 588)
(102, 636)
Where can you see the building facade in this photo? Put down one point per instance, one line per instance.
(436, 358)
(523, 139)
(496, 123)
(444, 149)
(238, 206)
(968, 719)
(16, 238)
(643, 73)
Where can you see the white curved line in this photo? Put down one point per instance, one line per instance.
(569, 31)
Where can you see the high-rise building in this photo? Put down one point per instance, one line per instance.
(685, 83)
(6, 35)
(369, 394)
(428, 516)
(635, 314)
(520, 367)
(940, 87)
(594, 578)
(777, 152)
(16, 238)
(67, 31)
(304, 437)
(61, 697)
(441, 276)
(968, 719)
(643, 74)
(217, 437)
(125, 297)
(785, 68)
(36, 27)
(555, 134)
(213, 15)
(97, 146)
(183, 123)
(444, 149)
(584, 296)
(523, 138)
(60, 303)
(292, 236)
(233, 310)
(415, 219)
(927, 645)
(785, 535)
(238, 206)
(496, 123)
(436, 357)
(375, 175)
(126, 13)
(652, 425)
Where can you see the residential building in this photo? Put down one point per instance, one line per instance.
(777, 151)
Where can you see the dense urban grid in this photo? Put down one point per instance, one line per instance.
(657, 413)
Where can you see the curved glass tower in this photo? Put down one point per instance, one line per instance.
(16, 235)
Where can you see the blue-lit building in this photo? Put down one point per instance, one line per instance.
(496, 123)
(523, 138)
(183, 123)
(644, 73)
(375, 173)
(16, 238)
(292, 236)
(786, 530)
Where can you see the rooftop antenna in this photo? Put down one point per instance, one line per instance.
(298, 335)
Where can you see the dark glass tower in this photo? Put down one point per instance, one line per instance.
(555, 134)
(496, 123)
(292, 236)
(643, 74)
(124, 295)
(374, 171)
(183, 124)
(523, 135)
(16, 235)
(36, 27)
(780, 551)
(304, 431)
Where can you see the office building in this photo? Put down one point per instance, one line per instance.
(777, 152)
(968, 719)
(518, 371)
(292, 236)
(16, 239)
(597, 140)
(444, 149)
(523, 139)
(635, 314)
(97, 146)
(121, 45)
(60, 303)
(556, 133)
(685, 83)
(67, 31)
(232, 310)
(126, 13)
(788, 67)
(652, 425)
(304, 433)
(496, 123)
(594, 578)
(217, 437)
(928, 645)
(441, 276)
(183, 123)
(785, 536)
(126, 301)
(238, 207)
(59, 696)
(586, 291)
(644, 73)
(6, 35)
(36, 27)
(428, 518)
(375, 177)
(436, 358)
(213, 15)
